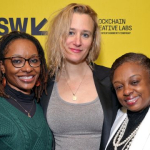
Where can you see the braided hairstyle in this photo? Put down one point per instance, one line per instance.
(5, 40)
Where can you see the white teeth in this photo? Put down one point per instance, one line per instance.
(132, 100)
(26, 77)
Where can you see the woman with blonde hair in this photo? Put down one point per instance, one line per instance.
(79, 106)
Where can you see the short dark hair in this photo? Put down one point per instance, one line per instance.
(6, 39)
(138, 58)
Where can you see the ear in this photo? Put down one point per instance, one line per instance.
(2, 67)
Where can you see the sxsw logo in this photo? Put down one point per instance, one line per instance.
(21, 25)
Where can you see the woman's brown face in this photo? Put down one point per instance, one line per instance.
(22, 79)
(132, 84)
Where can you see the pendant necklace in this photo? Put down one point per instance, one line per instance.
(28, 112)
(74, 98)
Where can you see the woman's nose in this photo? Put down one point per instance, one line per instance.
(127, 90)
(27, 67)
(77, 40)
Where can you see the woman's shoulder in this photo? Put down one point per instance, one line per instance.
(100, 68)
(50, 80)
(101, 72)
(5, 114)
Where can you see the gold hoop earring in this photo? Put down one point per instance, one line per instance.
(38, 83)
(3, 80)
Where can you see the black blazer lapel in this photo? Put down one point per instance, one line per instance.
(104, 93)
(45, 98)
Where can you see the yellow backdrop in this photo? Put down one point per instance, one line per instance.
(124, 24)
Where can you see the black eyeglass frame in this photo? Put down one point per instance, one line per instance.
(24, 61)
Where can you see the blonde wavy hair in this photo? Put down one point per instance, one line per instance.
(58, 31)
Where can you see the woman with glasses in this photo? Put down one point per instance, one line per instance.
(23, 77)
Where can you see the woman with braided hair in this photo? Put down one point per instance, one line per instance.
(23, 77)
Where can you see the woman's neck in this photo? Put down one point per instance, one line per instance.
(72, 71)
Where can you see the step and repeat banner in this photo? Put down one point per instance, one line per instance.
(125, 25)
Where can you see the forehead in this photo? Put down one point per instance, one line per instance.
(128, 69)
(82, 21)
(21, 47)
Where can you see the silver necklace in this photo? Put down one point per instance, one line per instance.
(127, 142)
(74, 98)
(28, 112)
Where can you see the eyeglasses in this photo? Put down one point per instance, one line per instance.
(19, 62)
